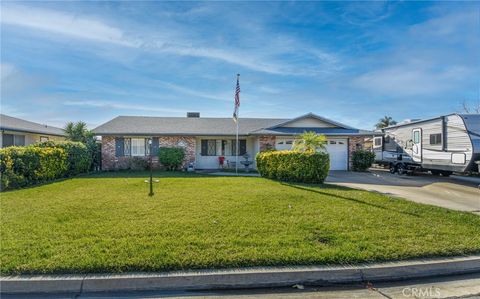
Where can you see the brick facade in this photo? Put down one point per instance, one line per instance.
(186, 142)
(111, 162)
(266, 142)
(354, 143)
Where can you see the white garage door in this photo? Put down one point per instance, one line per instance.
(336, 148)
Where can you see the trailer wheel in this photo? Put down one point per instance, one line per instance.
(446, 173)
(393, 168)
(401, 169)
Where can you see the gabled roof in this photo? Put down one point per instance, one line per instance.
(205, 126)
(9, 123)
(312, 115)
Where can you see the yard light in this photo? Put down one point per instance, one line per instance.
(150, 166)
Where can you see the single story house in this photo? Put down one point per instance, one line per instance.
(19, 132)
(207, 139)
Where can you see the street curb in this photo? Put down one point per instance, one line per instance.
(239, 278)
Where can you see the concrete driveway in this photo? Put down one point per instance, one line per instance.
(452, 193)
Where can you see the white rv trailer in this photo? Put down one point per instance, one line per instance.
(441, 145)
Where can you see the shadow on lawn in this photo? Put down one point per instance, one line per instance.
(345, 198)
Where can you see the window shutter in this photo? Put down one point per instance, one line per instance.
(119, 147)
(7, 140)
(155, 146)
(243, 147)
(204, 148)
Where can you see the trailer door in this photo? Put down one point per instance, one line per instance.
(417, 145)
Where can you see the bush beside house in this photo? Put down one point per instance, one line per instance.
(79, 155)
(23, 166)
(362, 160)
(294, 166)
(171, 157)
(42, 162)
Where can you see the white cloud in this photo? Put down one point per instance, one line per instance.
(412, 80)
(63, 23)
(195, 93)
(173, 40)
(422, 62)
(116, 105)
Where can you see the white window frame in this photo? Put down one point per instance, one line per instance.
(137, 147)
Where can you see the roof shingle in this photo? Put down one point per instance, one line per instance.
(20, 125)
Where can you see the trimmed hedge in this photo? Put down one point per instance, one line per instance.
(171, 157)
(23, 166)
(294, 166)
(362, 160)
(80, 157)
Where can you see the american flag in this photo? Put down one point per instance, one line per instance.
(237, 100)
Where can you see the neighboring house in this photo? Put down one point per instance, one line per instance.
(19, 132)
(206, 139)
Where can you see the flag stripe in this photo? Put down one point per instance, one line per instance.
(237, 101)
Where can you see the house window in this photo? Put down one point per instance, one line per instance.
(137, 146)
(209, 147)
(242, 147)
(13, 140)
(127, 145)
(43, 138)
(212, 147)
(435, 139)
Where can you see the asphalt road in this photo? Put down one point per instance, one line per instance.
(451, 192)
(461, 286)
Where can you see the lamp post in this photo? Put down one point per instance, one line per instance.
(150, 166)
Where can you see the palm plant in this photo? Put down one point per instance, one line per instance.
(310, 142)
(384, 122)
(78, 132)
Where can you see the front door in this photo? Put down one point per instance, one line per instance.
(417, 145)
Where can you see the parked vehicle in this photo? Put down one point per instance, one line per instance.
(441, 145)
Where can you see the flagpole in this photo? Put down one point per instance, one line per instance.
(236, 142)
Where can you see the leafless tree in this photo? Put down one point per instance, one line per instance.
(475, 108)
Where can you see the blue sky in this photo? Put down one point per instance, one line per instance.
(352, 62)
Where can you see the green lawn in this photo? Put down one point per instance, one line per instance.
(107, 223)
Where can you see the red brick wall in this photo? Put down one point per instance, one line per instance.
(267, 142)
(110, 162)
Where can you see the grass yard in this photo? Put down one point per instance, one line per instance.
(107, 223)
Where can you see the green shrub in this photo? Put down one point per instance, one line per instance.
(138, 163)
(80, 157)
(294, 166)
(23, 166)
(171, 157)
(362, 160)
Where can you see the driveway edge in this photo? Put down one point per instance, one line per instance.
(239, 278)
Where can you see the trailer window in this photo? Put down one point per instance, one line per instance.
(435, 139)
(416, 137)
